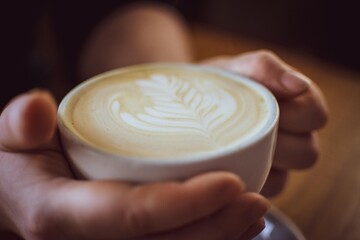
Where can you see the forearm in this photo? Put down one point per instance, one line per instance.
(136, 34)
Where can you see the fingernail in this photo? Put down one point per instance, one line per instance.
(295, 81)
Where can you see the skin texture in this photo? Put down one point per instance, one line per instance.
(303, 111)
(40, 199)
(48, 201)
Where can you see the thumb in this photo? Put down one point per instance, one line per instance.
(28, 121)
(268, 69)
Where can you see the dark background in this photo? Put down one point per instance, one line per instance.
(324, 28)
(327, 29)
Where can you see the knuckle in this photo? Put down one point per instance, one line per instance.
(265, 56)
(296, 151)
(310, 152)
(315, 116)
(138, 218)
(307, 154)
(263, 63)
(310, 158)
(319, 111)
(230, 184)
(321, 118)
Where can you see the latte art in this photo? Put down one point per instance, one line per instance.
(163, 112)
(178, 106)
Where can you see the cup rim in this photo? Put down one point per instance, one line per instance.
(269, 125)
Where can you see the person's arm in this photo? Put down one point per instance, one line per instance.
(135, 34)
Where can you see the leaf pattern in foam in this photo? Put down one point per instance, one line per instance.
(181, 106)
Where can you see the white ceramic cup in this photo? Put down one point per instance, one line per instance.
(250, 159)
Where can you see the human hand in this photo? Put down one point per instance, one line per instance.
(40, 199)
(303, 110)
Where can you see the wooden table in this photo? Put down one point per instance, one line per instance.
(325, 200)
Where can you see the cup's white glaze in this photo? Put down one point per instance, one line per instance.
(250, 159)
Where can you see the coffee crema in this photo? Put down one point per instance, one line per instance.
(164, 112)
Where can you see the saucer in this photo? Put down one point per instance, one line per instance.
(279, 227)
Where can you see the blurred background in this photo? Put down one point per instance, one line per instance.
(321, 39)
(316, 36)
(326, 29)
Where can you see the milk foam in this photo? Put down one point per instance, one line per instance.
(162, 113)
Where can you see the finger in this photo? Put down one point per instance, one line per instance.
(267, 68)
(28, 122)
(296, 151)
(275, 183)
(115, 209)
(235, 221)
(310, 108)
